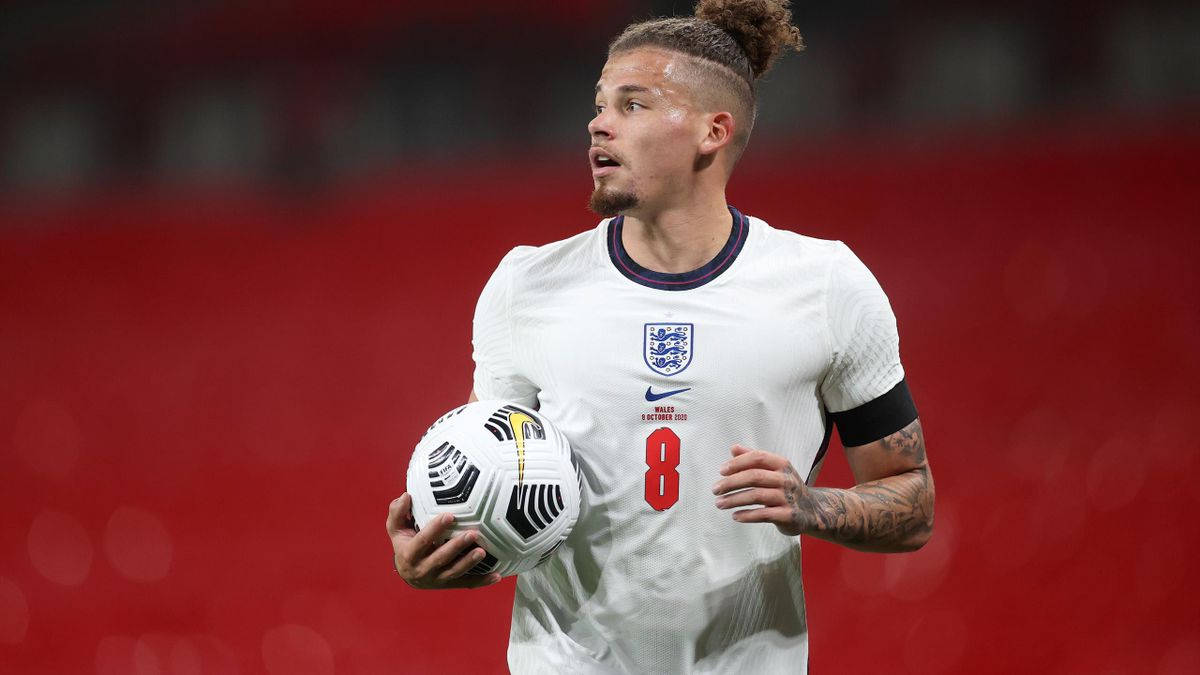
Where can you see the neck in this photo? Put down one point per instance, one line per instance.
(680, 238)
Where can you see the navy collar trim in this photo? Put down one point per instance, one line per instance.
(685, 280)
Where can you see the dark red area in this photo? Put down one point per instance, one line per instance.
(253, 371)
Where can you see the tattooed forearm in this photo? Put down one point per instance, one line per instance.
(889, 514)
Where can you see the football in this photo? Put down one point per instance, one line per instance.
(501, 469)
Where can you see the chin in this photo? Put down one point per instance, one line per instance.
(608, 202)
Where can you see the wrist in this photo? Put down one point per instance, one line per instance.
(821, 512)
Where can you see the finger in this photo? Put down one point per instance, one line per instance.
(750, 478)
(747, 458)
(462, 565)
(471, 581)
(779, 515)
(399, 514)
(762, 496)
(447, 553)
(739, 450)
(433, 532)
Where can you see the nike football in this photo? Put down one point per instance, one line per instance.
(501, 469)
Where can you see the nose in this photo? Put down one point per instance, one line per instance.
(599, 127)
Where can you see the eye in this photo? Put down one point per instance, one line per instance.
(598, 109)
(632, 104)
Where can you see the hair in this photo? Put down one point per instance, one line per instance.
(737, 41)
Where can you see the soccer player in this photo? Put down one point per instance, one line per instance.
(697, 359)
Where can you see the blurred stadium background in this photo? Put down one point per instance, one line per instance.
(240, 245)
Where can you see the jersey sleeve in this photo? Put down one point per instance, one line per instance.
(864, 390)
(497, 374)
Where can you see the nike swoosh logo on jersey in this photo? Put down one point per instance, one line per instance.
(651, 396)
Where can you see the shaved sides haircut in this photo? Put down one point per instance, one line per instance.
(732, 42)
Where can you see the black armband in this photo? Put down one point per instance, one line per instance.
(877, 418)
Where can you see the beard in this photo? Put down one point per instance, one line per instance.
(607, 202)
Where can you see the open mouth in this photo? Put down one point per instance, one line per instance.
(601, 159)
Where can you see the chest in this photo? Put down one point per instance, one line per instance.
(611, 342)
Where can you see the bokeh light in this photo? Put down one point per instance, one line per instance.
(241, 245)
(138, 544)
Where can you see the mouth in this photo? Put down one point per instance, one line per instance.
(602, 161)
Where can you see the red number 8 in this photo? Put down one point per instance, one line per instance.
(662, 479)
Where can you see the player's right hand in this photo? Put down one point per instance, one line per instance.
(424, 560)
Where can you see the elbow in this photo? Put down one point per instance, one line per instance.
(915, 541)
(918, 540)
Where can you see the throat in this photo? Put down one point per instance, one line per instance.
(676, 261)
(677, 247)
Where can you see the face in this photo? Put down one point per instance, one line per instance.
(646, 133)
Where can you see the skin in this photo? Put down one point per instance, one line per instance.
(890, 510)
(431, 558)
(674, 138)
(674, 146)
(427, 559)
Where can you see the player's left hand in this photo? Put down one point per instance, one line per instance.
(766, 480)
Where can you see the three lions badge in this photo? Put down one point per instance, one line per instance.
(667, 347)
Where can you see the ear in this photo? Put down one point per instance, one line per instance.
(718, 133)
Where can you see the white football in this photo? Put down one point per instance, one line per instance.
(501, 469)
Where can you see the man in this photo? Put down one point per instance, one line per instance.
(692, 355)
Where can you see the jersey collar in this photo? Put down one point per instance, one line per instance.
(682, 281)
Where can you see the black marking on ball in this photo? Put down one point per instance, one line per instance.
(532, 508)
(450, 470)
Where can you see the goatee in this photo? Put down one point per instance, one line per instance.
(609, 203)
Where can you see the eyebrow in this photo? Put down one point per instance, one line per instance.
(626, 88)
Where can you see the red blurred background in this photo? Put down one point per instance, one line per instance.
(209, 393)
(211, 408)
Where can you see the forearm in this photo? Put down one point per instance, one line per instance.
(889, 515)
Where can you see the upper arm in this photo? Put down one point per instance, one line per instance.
(865, 388)
(894, 454)
(863, 339)
(498, 371)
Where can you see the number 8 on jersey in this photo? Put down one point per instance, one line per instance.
(662, 478)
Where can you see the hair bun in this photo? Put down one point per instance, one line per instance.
(763, 28)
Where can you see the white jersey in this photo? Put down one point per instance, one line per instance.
(654, 377)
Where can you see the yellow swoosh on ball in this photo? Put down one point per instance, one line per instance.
(517, 421)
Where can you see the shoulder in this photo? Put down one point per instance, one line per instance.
(795, 249)
(826, 267)
(527, 255)
(534, 264)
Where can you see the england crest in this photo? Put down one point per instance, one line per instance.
(667, 347)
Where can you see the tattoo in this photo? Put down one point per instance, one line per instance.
(789, 493)
(889, 514)
(909, 442)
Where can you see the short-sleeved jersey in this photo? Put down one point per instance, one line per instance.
(653, 378)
